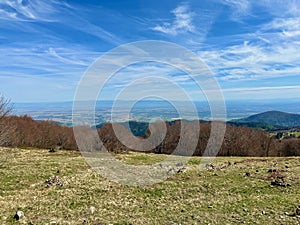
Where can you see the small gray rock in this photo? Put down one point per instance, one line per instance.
(298, 211)
(180, 164)
(279, 183)
(19, 215)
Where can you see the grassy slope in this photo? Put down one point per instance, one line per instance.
(212, 196)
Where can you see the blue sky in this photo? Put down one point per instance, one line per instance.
(252, 47)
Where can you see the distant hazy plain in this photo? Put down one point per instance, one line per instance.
(147, 110)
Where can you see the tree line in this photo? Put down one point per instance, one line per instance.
(23, 131)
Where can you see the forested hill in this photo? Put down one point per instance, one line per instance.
(274, 118)
(238, 141)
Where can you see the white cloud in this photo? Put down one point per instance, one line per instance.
(41, 61)
(240, 8)
(260, 88)
(283, 23)
(280, 8)
(289, 27)
(25, 10)
(268, 92)
(51, 11)
(272, 51)
(7, 14)
(97, 31)
(181, 24)
(68, 60)
(244, 62)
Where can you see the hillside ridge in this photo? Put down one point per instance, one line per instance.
(274, 118)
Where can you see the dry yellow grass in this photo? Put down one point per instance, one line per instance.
(210, 196)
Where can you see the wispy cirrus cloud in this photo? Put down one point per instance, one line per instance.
(239, 8)
(65, 56)
(55, 11)
(242, 9)
(257, 89)
(252, 61)
(276, 92)
(41, 61)
(270, 52)
(280, 8)
(30, 10)
(85, 26)
(182, 23)
(263, 88)
(288, 27)
(247, 44)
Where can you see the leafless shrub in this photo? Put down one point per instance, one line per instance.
(6, 129)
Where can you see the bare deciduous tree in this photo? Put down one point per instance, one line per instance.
(5, 128)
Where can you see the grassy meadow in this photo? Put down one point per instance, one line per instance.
(233, 190)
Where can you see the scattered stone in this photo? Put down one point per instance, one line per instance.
(298, 211)
(272, 170)
(279, 183)
(54, 181)
(286, 213)
(180, 164)
(257, 171)
(53, 222)
(170, 171)
(18, 215)
(263, 212)
(286, 166)
(210, 207)
(223, 166)
(52, 150)
(248, 174)
(209, 166)
(91, 210)
(181, 170)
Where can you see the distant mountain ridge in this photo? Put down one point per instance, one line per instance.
(268, 121)
(276, 119)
